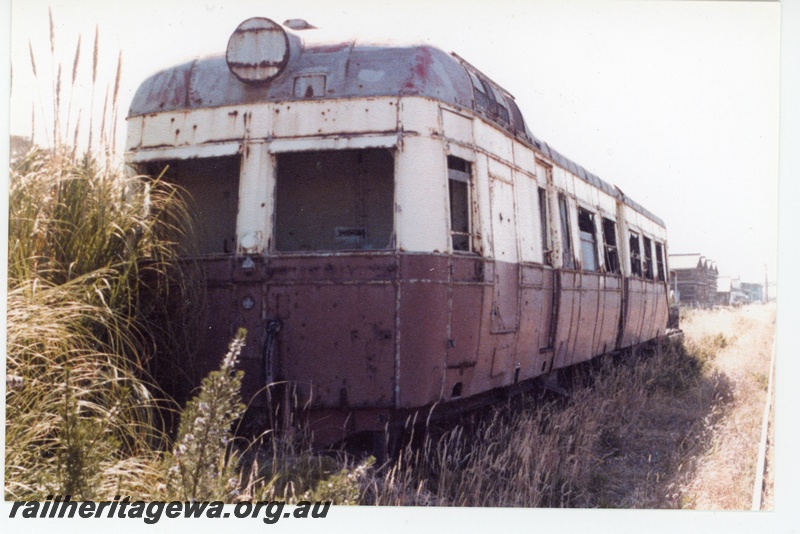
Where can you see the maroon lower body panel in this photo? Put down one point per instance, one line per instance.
(364, 336)
(645, 313)
(587, 324)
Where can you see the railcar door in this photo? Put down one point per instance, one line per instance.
(534, 344)
(544, 174)
(505, 297)
(506, 270)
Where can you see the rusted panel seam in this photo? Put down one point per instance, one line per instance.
(398, 292)
(449, 327)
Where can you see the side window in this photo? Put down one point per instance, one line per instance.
(566, 237)
(636, 257)
(660, 262)
(588, 240)
(547, 251)
(648, 258)
(611, 250)
(458, 180)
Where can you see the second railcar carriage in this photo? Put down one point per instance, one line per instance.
(387, 207)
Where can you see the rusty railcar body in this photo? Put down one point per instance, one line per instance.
(387, 206)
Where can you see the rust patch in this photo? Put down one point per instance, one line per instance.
(347, 317)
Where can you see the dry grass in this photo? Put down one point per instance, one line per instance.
(726, 471)
(621, 440)
(88, 262)
(92, 260)
(675, 427)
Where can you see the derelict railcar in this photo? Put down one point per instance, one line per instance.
(388, 208)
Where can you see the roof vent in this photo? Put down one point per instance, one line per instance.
(258, 50)
(298, 24)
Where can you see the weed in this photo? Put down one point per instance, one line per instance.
(202, 465)
(344, 487)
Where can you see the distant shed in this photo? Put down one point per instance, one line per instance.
(730, 292)
(755, 292)
(696, 279)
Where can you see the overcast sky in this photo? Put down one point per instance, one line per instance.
(674, 102)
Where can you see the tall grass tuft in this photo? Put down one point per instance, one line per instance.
(95, 291)
(91, 253)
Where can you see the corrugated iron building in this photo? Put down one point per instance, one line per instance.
(696, 279)
(755, 292)
(730, 292)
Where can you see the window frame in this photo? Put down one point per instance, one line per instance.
(592, 243)
(660, 267)
(567, 254)
(462, 177)
(611, 251)
(636, 268)
(546, 240)
(482, 99)
(198, 240)
(346, 238)
(648, 257)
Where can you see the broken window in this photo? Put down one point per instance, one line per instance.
(568, 261)
(660, 262)
(481, 97)
(588, 240)
(309, 86)
(648, 258)
(516, 116)
(458, 179)
(502, 109)
(334, 200)
(489, 99)
(547, 253)
(210, 187)
(636, 258)
(611, 250)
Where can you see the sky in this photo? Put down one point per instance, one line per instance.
(674, 102)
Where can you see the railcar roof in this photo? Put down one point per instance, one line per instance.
(353, 67)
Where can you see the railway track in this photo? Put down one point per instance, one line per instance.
(761, 465)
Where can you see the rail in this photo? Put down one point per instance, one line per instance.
(758, 485)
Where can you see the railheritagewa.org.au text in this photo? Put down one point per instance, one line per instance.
(269, 512)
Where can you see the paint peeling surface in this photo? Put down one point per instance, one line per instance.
(315, 66)
(258, 50)
(386, 228)
(352, 69)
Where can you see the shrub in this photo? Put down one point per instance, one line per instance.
(202, 466)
